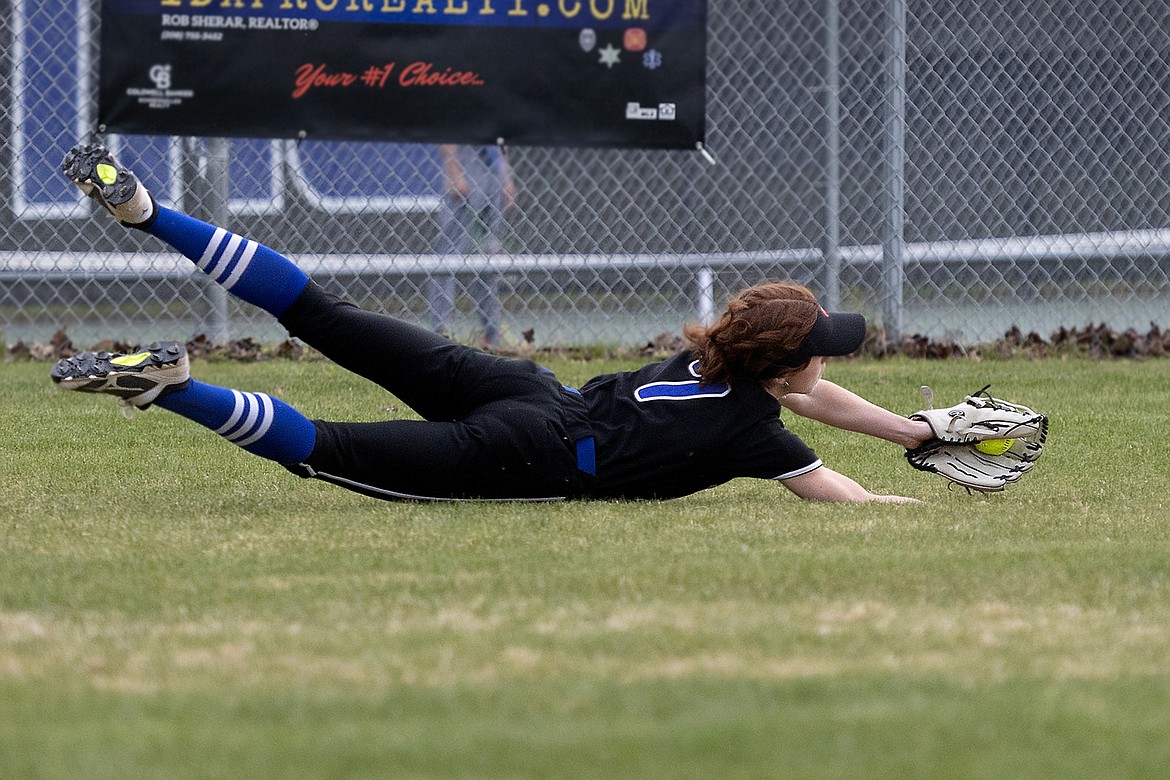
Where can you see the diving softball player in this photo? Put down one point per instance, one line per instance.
(496, 428)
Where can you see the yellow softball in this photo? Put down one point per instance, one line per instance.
(995, 446)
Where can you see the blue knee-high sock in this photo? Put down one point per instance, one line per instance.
(257, 422)
(250, 271)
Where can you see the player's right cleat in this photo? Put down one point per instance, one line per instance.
(95, 171)
(138, 379)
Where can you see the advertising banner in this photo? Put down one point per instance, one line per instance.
(607, 73)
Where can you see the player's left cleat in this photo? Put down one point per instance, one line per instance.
(95, 171)
(138, 379)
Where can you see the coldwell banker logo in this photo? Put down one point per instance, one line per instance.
(161, 95)
(161, 76)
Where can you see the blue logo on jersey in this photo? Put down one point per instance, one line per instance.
(680, 391)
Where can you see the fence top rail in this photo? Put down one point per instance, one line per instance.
(1083, 246)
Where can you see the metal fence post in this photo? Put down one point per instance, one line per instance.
(893, 229)
(212, 206)
(706, 285)
(831, 238)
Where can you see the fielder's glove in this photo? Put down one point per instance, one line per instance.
(979, 418)
(983, 443)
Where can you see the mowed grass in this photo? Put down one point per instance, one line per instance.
(172, 607)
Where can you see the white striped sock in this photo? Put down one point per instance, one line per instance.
(250, 419)
(215, 263)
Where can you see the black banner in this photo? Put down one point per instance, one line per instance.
(610, 73)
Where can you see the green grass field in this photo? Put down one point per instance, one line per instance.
(171, 607)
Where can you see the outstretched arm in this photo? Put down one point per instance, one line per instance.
(824, 484)
(832, 404)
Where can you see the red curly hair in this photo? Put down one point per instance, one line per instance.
(762, 326)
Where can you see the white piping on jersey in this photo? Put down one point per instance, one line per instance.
(386, 493)
(816, 464)
(215, 263)
(685, 390)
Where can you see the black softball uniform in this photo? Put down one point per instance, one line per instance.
(661, 434)
(506, 429)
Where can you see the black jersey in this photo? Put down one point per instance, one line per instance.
(661, 434)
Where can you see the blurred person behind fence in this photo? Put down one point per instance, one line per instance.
(478, 192)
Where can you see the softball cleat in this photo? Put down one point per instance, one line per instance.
(95, 171)
(137, 379)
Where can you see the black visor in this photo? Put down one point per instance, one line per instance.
(832, 335)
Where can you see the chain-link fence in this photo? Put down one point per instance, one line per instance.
(950, 168)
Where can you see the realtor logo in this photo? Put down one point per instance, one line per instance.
(635, 111)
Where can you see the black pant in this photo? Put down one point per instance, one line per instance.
(493, 427)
